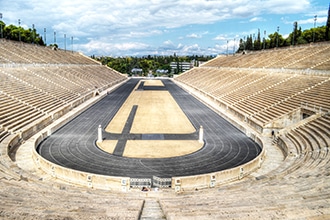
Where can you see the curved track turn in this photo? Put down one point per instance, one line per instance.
(73, 145)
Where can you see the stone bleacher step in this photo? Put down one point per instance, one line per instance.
(152, 210)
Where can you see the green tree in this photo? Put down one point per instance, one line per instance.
(249, 44)
(13, 32)
(148, 63)
(257, 42)
(327, 34)
(144, 65)
(318, 32)
(295, 37)
(2, 26)
(241, 46)
(275, 40)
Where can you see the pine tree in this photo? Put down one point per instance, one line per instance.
(249, 44)
(294, 33)
(257, 43)
(327, 26)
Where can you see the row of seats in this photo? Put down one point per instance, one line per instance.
(3, 134)
(299, 189)
(25, 198)
(299, 186)
(29, 93)
(313, 56)
(13, 52)
(261, 95)
(311, 137)
(36, 81)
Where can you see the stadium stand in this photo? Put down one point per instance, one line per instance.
(299, 189)
(282, 92)
(313, 56)
(18, 52)
(269, 92)
(36, 81)
(263, 94)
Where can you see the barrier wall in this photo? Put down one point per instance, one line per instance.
(218, 178)
(12, 144)
(123, 183)
(233, 111)
(79, 177)
(74, 176)
(225, 176)
(282, 145)
(70, 175)
(29, 131)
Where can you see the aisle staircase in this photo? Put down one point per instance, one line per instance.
(152, 210)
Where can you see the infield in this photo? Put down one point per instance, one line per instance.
(157, 113)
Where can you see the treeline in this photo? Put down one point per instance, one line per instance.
(251, 42)
(149, 63)
(12, 32)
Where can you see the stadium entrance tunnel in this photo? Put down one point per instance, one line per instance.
(154, 182)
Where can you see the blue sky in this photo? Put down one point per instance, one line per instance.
(160, 27)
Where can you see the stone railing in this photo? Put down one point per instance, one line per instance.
(218, 178)
(70, 175)
(123, 183)
(78, 177)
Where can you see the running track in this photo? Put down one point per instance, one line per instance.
(73, 145)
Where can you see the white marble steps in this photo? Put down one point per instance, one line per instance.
(152, 210)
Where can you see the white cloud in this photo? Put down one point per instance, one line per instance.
(129, 25)
(168, 43)
(190, 48)
(194, 36)
(146, 14)
(197, 35)
(286, 7)
(310, 20)
(254, 19)
(107, 48)
(319, 20)
(221, 37)
(180, 46)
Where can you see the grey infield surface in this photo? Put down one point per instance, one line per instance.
(73, 145)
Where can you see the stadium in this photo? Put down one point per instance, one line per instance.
(244, 136)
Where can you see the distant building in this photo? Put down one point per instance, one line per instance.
(180, 67)
(137, 71)
(161, 71)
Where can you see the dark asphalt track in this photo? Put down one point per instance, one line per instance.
(73, 145)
